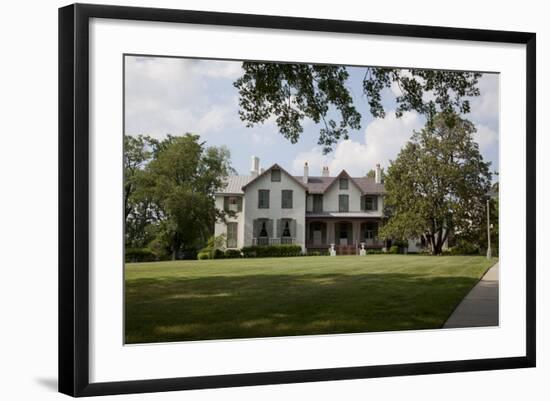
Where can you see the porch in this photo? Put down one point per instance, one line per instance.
(346, 235)
(263, 241)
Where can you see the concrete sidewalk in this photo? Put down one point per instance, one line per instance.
(480, 307)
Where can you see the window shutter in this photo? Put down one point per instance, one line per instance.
(255, 228)
(226, 203)
(293, 228)
(363, 203)
(279, 228)
(375, 203)
(240, 204)
(269, 228)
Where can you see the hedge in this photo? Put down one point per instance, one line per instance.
(394, 249)
(232, 253)
(375, 252)
(132, 255)
(218, 254)
(271, 251)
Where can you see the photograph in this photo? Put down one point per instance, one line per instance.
(268, 199)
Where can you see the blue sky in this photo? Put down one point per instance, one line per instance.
(178, 95)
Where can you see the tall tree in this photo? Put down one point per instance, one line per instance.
(184, 176)
(136, 154)
(292, 92)
(438, 183)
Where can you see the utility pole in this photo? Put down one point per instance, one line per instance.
(488, 231)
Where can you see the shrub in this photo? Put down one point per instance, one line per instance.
(402, 244)
(271, 251)
(375, 252)
(232, 253)
(394, 249)
(214, 247)
(203, 255)
(464, 248)
(139, 255)
(218, 254)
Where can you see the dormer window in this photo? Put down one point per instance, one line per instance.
(275, 175)
(344, 183)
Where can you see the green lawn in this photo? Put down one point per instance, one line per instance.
(236, 298)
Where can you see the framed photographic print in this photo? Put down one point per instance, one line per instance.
(249, 199)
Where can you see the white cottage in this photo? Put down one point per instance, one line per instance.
(274, 207)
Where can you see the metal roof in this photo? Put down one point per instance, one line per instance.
(315, 184)
(343, 214)
(235, 184)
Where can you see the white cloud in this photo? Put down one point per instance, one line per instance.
(314, 159)
(485, 108)
(173, 96)
(486, 137)
(383, 140)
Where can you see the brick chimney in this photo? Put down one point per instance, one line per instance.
(255, 166)
(378, 174)
(306, 173)
(325, 172)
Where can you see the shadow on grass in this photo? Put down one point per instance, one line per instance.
(224, 307)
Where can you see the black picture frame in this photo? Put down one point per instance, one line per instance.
(74, 203)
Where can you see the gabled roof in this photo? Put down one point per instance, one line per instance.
(315, 184)
(275, 166)
(343, 174)
(369, 185)
(234, 184)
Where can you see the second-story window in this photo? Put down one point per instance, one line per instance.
(275, 175)
(344, 183)
(343, 203)
(263, 199)
(370, 202)
(286, 199)
(317, 203)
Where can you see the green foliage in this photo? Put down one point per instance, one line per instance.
(372, 174)
(132, 255)
(169, 192)
(376, 252)
(218, 254)
(464, 248)
(215, 299)
(437, 184)
(292, 92)
(271, 251)
(394, 249)
(400, 243)
(232, 253)
(203, 255)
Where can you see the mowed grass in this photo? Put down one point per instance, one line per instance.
(244, 298)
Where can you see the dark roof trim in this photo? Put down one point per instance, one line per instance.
(345, 174)
(276, 166)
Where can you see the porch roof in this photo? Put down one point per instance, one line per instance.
(346, 215)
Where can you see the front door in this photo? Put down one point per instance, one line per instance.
(344, 234)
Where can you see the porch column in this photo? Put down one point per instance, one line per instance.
(356, 230)
(330, 232)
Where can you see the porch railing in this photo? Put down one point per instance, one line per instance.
(368, 244)
(264, 241)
